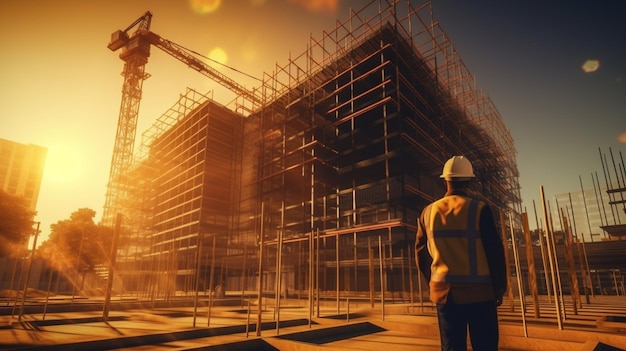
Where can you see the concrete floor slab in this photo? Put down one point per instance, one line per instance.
(400, 328)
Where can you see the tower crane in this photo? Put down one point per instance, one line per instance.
(135, 53)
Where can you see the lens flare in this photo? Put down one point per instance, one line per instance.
(622, 138)
(204, 6)
(591, 66)
(218, 55)
(317, 5)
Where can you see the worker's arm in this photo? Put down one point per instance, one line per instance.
(422, 256)
(494, 250)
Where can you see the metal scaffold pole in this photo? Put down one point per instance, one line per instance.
(581, 265)
(30, 267)
(260, 290)
(113, 255)
(382, 280)
(518, 273)
(211, 283)
(530, 259)
(197, 277)
(543, 253)
(557, 304)
(311, 278)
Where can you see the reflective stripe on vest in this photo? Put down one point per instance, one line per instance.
(465, 266)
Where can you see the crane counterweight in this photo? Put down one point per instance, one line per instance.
(118, 40)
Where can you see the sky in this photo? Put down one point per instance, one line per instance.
(60, 86)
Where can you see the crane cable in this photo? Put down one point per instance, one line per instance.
(212, 60)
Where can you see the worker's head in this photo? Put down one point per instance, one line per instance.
(457, 169)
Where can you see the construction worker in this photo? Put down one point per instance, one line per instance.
(460, 252)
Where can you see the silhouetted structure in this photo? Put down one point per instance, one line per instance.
(332, 170)
(21, 169)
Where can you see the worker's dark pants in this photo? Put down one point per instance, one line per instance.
(454, 319)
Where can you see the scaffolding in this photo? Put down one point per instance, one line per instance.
(616, 192)
(351, 147)
(342, 156)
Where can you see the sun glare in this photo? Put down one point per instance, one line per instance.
(622, 138)
(62, 164)
(204, 6)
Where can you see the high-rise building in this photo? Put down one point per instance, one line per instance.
(21, 169)
(333, 168)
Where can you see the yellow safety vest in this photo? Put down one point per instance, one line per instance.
(454, 242)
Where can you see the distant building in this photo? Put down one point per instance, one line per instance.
(21, 169)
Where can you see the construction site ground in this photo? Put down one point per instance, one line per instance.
(599, 325)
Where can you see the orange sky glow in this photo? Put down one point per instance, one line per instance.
(63, 88)
(61, 85)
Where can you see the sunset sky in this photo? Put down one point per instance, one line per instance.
(61, 87)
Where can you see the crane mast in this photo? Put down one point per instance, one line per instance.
(135, 53)
(135, 56)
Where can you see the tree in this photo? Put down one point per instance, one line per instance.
(16, 223)
(77, 242)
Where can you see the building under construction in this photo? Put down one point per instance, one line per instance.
(319, 186)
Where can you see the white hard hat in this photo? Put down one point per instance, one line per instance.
(457, 168)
